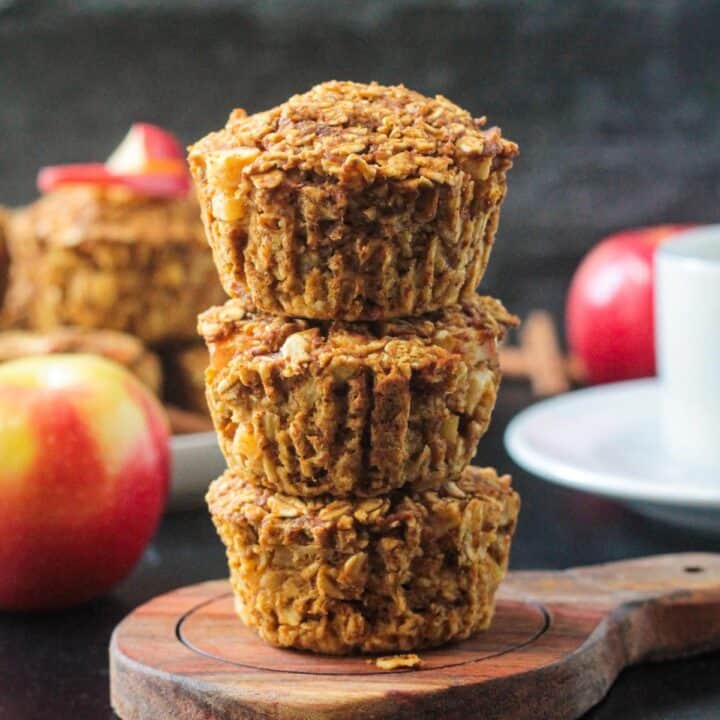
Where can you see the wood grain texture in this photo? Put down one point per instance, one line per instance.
(558, 642)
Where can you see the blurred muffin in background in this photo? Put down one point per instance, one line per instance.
(184, 369)
(110, 258)
(122, 348)
(116, 245)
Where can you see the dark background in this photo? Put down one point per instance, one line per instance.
(614, 104)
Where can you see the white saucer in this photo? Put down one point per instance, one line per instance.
(606, 440)
(196, 460)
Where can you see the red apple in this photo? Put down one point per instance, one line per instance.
(609, 315)
(83, 479)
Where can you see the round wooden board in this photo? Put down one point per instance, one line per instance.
(211, 628)
(557, 642)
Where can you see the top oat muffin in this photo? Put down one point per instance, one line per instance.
(352, 201)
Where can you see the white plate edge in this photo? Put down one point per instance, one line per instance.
(598, 483)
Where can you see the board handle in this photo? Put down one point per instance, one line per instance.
(657, 608)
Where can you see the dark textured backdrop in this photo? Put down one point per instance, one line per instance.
(615, 104)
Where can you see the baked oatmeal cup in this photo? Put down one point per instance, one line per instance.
(308, 407)
(387, 574)
(106, 257)
(353, 202)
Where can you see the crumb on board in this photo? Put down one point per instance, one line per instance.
(396, 662)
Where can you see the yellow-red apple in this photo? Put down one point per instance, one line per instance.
(83, 478)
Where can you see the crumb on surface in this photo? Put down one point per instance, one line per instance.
(397, 662)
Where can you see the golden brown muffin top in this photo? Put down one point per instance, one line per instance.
(230, 498)
(359, 132)
(237, 330)
(77, 214)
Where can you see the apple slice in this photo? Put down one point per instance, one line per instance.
(144, 144)
(156, 184)
(168, 185)
(149, 161)
(54, 175)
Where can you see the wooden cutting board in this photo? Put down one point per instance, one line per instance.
(558, 642)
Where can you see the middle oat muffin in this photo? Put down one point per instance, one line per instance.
(305, 407)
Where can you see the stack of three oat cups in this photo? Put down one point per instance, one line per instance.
(354, 369)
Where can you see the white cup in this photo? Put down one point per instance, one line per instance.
(687, 342)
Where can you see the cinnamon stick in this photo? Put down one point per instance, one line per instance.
(541, 350)
(513, 362)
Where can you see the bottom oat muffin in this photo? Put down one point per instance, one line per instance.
(385, 574)
(352, 409)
